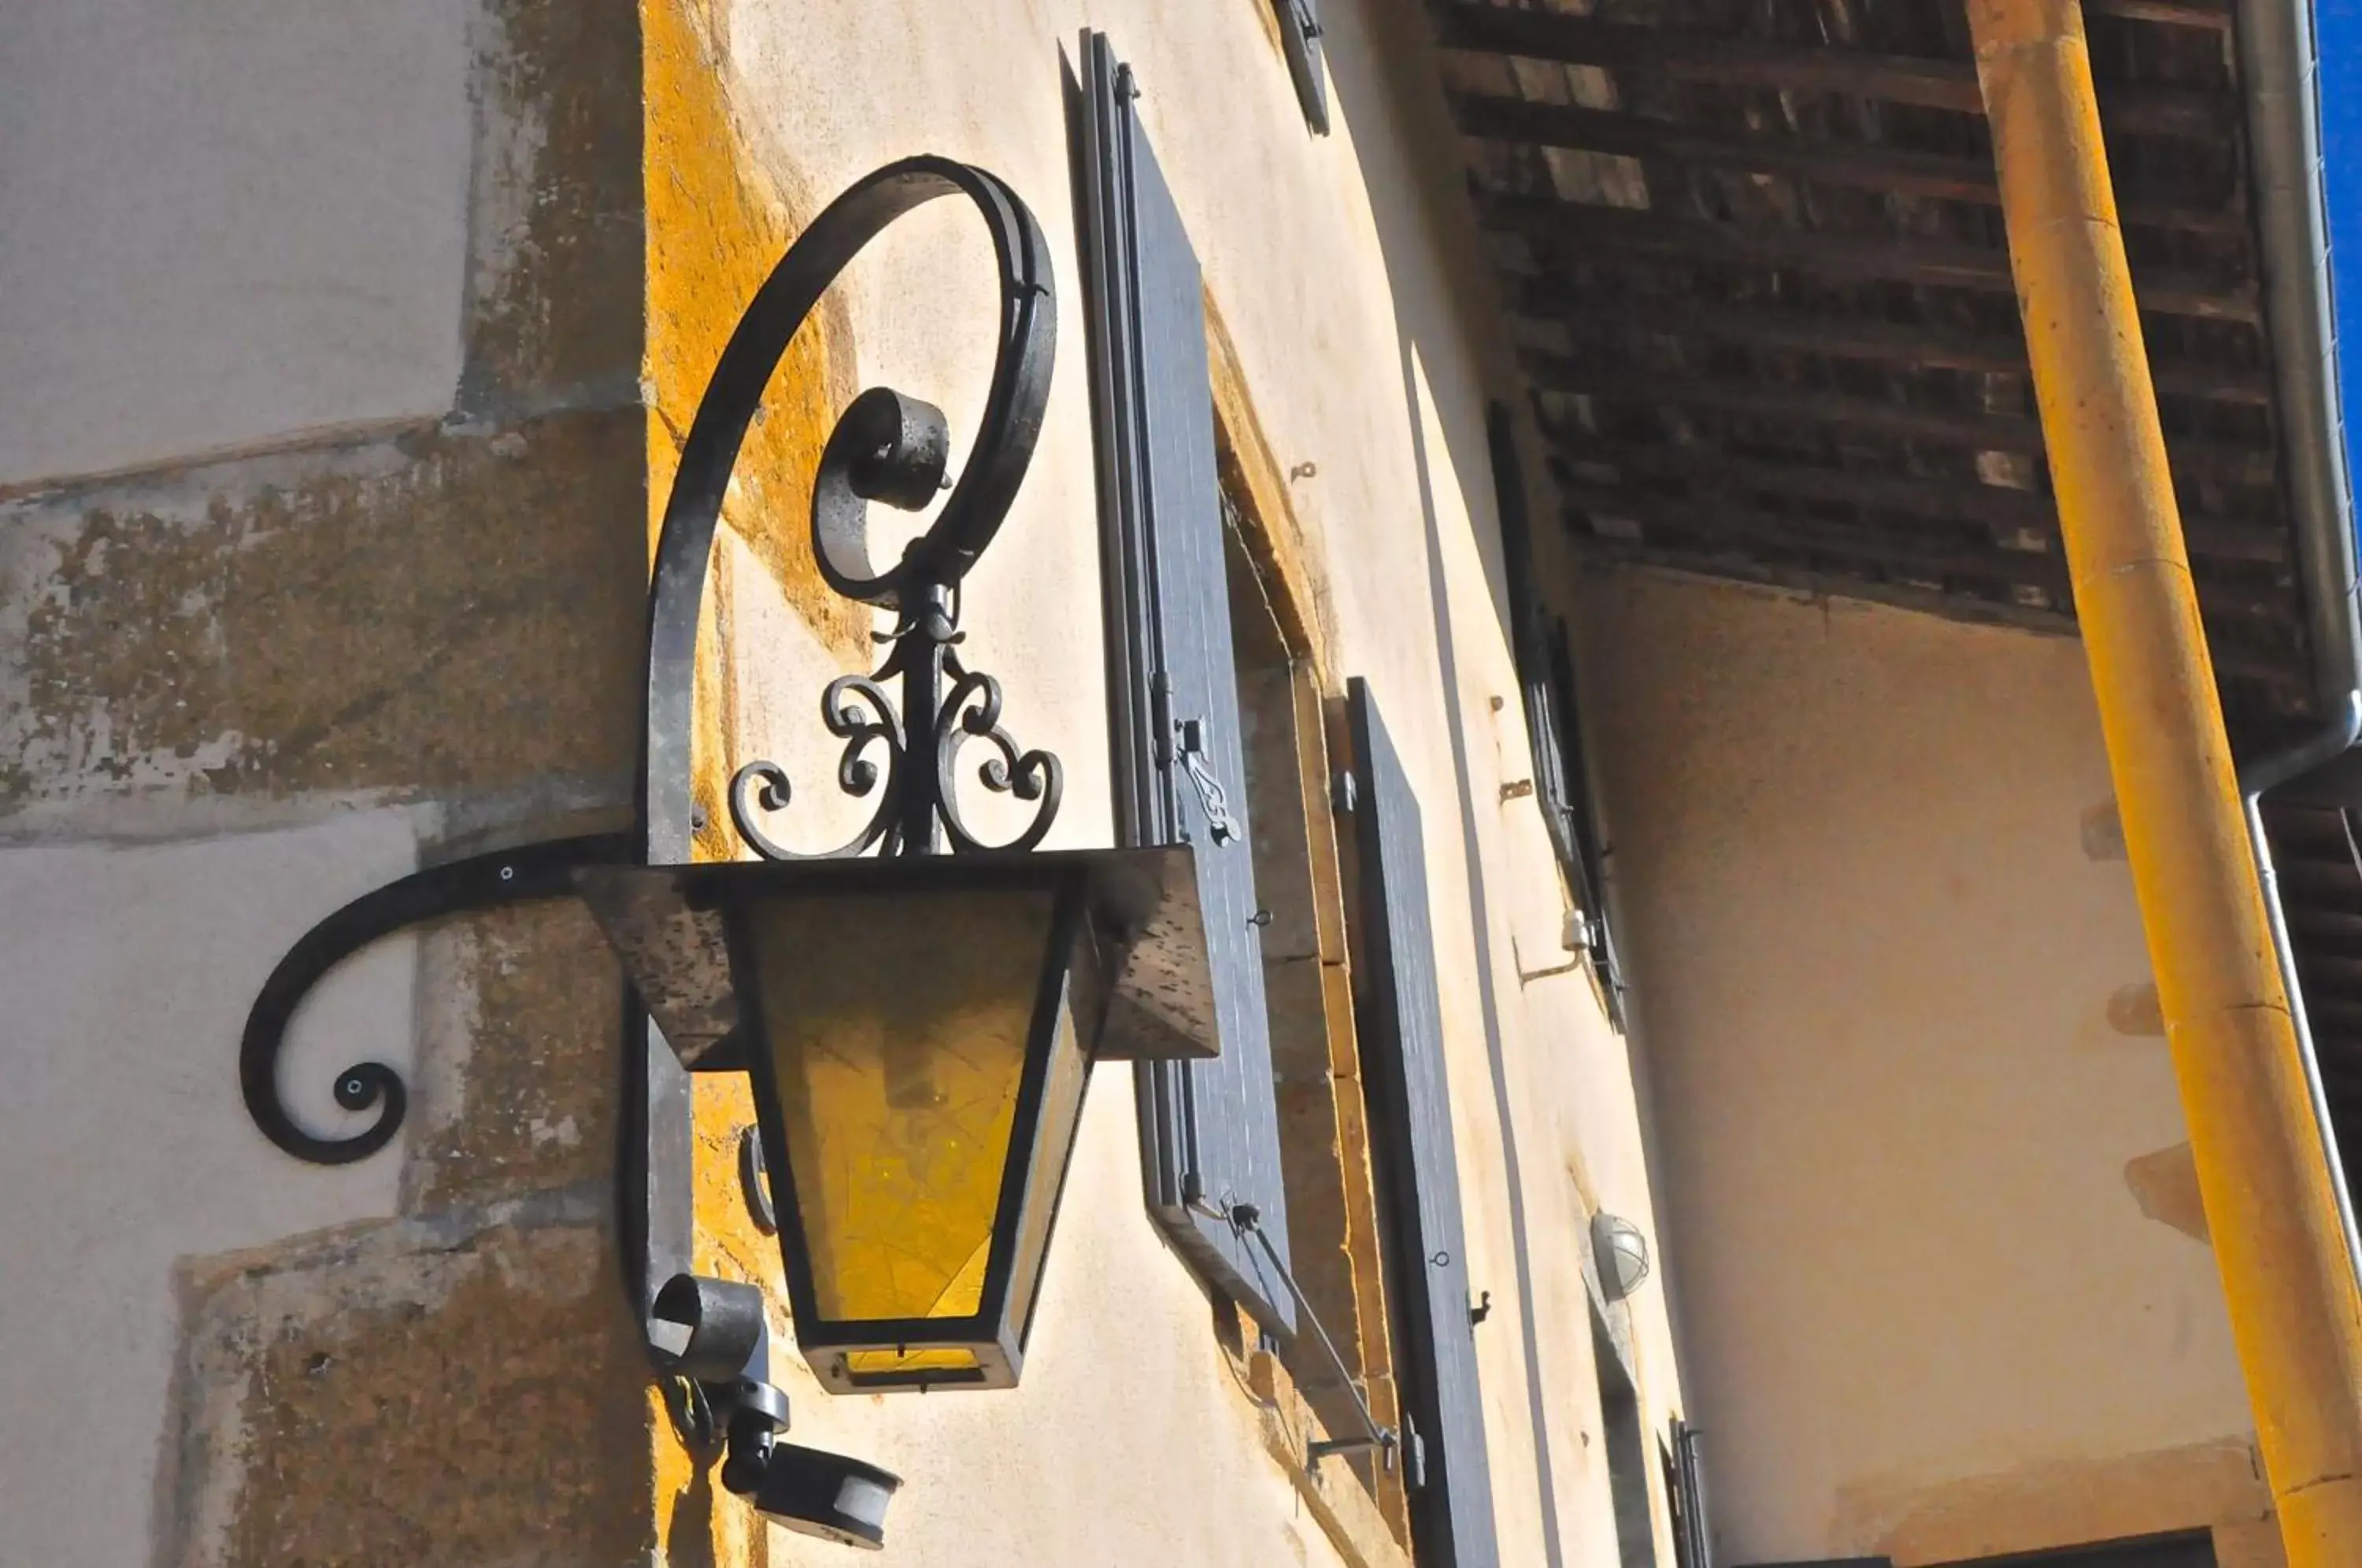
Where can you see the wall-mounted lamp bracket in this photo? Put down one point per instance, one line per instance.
(479, 882)
(887, 447)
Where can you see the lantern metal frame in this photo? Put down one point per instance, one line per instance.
(886, 448)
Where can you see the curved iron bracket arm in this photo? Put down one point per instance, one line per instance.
(479, 882)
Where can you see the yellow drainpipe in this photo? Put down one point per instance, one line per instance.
(2295, 1312)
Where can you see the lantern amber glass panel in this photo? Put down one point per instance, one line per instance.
(921, 1070)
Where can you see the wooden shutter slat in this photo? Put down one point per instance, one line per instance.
(1410, 1102)
(1210, 1129)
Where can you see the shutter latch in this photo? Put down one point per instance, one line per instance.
(1211, 795)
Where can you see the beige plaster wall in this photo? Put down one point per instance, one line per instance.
(226, 222)
(1886, 960)
(128, 970)
(375, 643)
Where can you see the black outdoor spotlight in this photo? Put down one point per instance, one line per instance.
(918, 1022)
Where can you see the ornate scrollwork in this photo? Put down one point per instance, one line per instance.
(915, 803)
(889, 448)
(972, 712)
(763, 786)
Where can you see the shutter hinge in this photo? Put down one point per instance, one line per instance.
(1210, 794)
(1160, 717)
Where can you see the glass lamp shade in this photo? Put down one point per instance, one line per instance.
(920, 1032)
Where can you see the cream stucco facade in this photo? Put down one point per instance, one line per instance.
(351, 355)
(1935, 1239)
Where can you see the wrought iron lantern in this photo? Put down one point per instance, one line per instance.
(918, 1031)
(918, 1022)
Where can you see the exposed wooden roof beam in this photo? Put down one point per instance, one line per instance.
(1863, 164)
(1785, 330)
(1774, 403)
(1925, 563)
(1871, 257)
(1991, 507)
(1788, 405)
(1823, 581)
(1743, 61)
(2221, 598)
(2213, 14)
(1929, 558)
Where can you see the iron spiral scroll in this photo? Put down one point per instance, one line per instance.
(886, 448)
(891, 448)
(969, 711)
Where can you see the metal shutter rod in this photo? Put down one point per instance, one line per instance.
(1247, 1220)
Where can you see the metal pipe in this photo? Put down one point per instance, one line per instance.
(2278, 1237)
(2279, 67)
(2278, 64)
(2332, 741)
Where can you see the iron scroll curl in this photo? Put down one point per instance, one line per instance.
(891, 448)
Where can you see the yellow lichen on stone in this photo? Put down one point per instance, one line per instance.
(715, 230)
(441, 610)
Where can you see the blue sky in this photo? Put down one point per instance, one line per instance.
(2339, 30)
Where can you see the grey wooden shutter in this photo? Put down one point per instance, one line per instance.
(1299, 34)
(1582, 818)
(1546, 678)
(1209, 1131)
(1543, 724)
(1411, 1109)
(1691, 1546)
